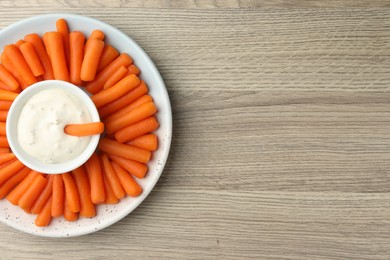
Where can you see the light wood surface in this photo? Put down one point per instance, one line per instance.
(281, 143)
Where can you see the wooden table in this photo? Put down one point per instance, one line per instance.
(281, 142)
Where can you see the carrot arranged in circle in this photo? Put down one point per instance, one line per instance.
(32, 192)
(19, 190)
(69, 215)
(132, 69)
(56, 50)
(136, 130)
(108, 55)
(95, 176)
(40, 49)
(6, 157)
(6, 95)
(4, 150)
(8, 78)
(115, 77)
(32, 59)
(76, 55)
(44, 196)
(20, 63)
(110, 196)
(19, 42)
(2, 130)
(62, 28)
(71, 193)
(135, 168)
(132, 188)
(86, 129)
(112, 178)
(3, 115)
(95, 35)
(58, 195)
(12, 182)
(44, 217)
(123, 101)
(10, 170)
(140, 101)
(5, 105)
(4, 142)
(126, 151)
(87, 208)
(148, 142)
(6, 61)
(91, 59)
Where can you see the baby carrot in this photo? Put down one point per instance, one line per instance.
(58, 195)
(96, 179)
(118, 90)
(132, 69)
(133, 116)
(5, 157)
(97, 84)
(44, 196)
(108, 55)
(86, 129)
(4, 142)
(62, 28)
(2, 130)
(3, 115)
(32, 59)
(112, 178)
(148, 142)
(126, 151)
(6, 95)
(44, 217)
(69, 215)
(10, 170)
(71, 193)
(132, 188)
(5, 164)
(19, 42)
(13, 181)
(137, 169)
(31, 194)
(5, 87)
(95, 35)
(19, 190)
(8, 78)
(76, 43)
(20, 64)
(55, 48)
(110, 196)
(91, 59)
(6, 61)
(115, 77)
(40, 49)
(4, 150)
(5, 105)
(136, 130)
(87, 208)
(123, 101)
(140, 101)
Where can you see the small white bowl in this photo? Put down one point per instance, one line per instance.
(13, 118)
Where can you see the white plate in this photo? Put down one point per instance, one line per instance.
(106, 214)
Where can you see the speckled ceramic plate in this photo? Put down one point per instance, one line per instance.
(106, 214)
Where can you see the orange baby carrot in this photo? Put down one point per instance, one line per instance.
(132, 188)
(132, 69)
(4, 142)
(5, 105)
(44, 196)
(31, 194)
(112, 178)
(91, 59)
(8, 78)
(20, 64)
(5, 164)
(58, 195)
(110, 196)
(5, 157)
(44, 217)
(142, 100)
(118, 90)
(71, 193)
(131, 132)
(55, 48)
(148, 142)
(137, 169)
(6, 95)
(40, 49)
(4, 150)
(115, 77)
(97, 84)
(10, 170)
(87, 208)
(108, 55)
(86, 129)
(5, 87)
(13, 181)
(62, 28)
(3, 115)
(19, 42)
(6, 61)
(69, 215)
(76, 43)
(96, 179)
(32, 59)
(132, 117)
(126, 151)
(2, 129)
(95, 35)
(19, 190)
(123, 101)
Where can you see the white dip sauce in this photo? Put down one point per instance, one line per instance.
(41, 126)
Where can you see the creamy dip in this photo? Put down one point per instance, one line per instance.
(41, 126)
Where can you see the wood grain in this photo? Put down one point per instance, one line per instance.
(281, 132)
